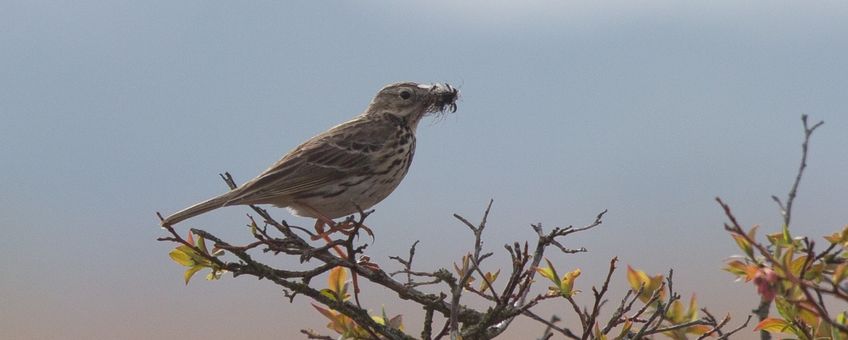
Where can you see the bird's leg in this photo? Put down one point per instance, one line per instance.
(319, 228)
(344, 227)
(320, 222)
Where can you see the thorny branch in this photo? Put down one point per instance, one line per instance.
(786, 211)
(511, 300)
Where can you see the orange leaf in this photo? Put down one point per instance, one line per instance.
(337, 320)
(698, 329)
(745, 270)
(336, 282)
(772, 325)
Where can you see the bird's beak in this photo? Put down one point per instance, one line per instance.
(443, 97)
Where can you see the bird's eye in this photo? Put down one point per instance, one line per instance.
(405, 94)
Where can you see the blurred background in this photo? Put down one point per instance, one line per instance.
(112, 111)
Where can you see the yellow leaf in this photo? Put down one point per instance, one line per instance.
(773, 325)
(192, 253)
(395, 322)
(337, 320)
(834, 238)
(489, 277)
(839, 237)
(814, 272)
(638, 278)
(752, 234)
(546, 272)
(625, 329)
(675, 313)
(597, 331)
(190, 272)
(808, 313)
(181, 258)
(692, 312)
(776, 239)
(330, 314)
(336, 281)
(839, 274)
(796, 265)
(835, 333)
(214, 275)
(566, 285)
(743, 244)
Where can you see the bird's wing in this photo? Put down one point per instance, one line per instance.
(346, 150)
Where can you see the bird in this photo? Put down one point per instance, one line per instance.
(348, 168)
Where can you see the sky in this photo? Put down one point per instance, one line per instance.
(114, 110)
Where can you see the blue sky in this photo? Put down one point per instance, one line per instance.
(112, 111)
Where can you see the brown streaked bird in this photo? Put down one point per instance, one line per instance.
(352, 166)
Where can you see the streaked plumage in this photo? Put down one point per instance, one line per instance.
(357, 163)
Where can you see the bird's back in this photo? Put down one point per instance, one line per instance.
(356, 163)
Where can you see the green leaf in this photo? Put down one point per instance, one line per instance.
(549, 272)
(786, 237)
(201, 243)
(254, 229)
(835, 333)
(329, 294)
(214, 274)
(786, 309)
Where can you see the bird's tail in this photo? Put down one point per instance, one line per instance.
(197, 209)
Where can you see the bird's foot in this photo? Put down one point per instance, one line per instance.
(345, 228)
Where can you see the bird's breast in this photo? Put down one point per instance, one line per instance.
(388, 166)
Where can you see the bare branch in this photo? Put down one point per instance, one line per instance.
(790, 198)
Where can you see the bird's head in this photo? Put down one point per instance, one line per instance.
(411, 101)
